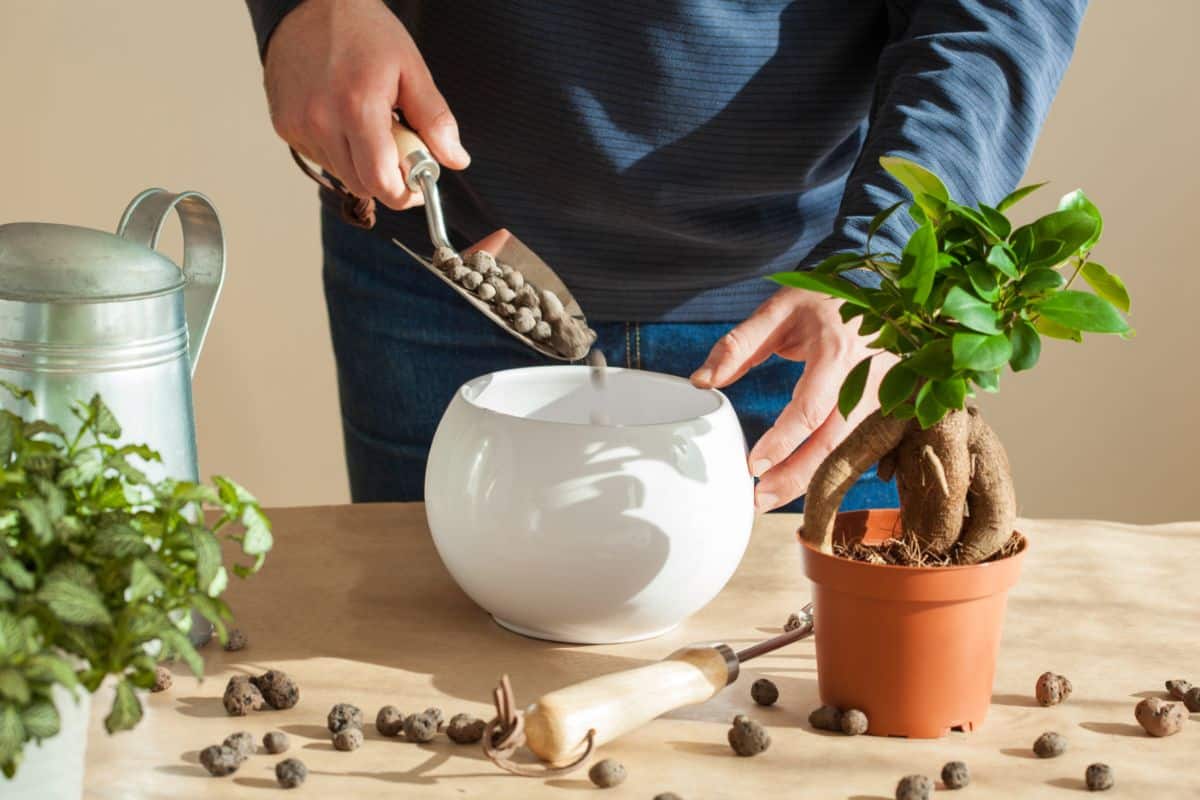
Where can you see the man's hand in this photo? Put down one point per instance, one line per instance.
(334, 71)
(802, 326)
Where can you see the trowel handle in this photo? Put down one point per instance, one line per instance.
(557, 725)
(415, 157)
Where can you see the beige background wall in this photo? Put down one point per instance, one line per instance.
(105, 97)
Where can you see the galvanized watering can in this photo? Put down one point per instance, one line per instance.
(85, 311)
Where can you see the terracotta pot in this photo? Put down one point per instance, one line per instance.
(913, 647)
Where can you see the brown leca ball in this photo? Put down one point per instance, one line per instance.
(955, 775)
(420, 728)
(465, 729)
(764, 692)
(1178, 688)
(389, 721)
(242, 696)
(1049, 745)
(914, 787)
(607, 773)
(1052, 689)
(747, 737)
(278, 689)
(290, 773)
(348, 738)
(275, 742)
(220, 760)
(826, 718)
(1160, 718)
(344, 715)
(1098, 777)
(854, 722)
(162, 679)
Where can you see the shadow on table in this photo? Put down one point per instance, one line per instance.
(1068, 783)
(1019, 700)
(1114, 728)
(1019, 752)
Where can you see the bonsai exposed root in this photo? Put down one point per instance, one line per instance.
(993, 500)
(933, 473)
(874, 437)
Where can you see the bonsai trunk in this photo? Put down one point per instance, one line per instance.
(954, 480)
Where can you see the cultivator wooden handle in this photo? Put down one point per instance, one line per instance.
(557, 725)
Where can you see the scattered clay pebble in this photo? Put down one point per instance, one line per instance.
(277, 688)
(276, 742)
(914, 787)
(826, 718)
(344, 715)
(793, 622)
(747, 737)
(420, 728)
(854, 722)
(1050, 745)
(290, 773)
(241, 743)
(435, 713)
(162, 679)
(389, 721)
(523, 320)
(1052, 689)
(764, 692)
(236, 640)
(955, 775)
(1178, 688)
(1099, 777)
(607, 773)
(1192, 699)
(348, 738)
(220, 760)
(1159, 717)
(486, 291)
(242, 696)
(465, 729)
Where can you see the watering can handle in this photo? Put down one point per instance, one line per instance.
(203, 251)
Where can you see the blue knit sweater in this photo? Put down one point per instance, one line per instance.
(665, 156)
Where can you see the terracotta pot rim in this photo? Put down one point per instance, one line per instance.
(813, 552)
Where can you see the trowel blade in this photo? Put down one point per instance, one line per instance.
(508, 249)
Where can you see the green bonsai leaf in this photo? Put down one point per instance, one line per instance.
(950, 392)
(988, 380)
(1078, 201)
(839, 262)
(1015, 197)
(1026, 346)
(933, 360)
(1105, 284)
(916, 179)
(1072, 227)
(983, 280)
(919, 263)
(826, 284)
(1040, 279)
(1048, 327)
(896, 387)
(929, 408)
(970, 311)
(852, 388)
(999, 258)
(996, 221)
(880, 218)
(126, 709)
(980, 353)
(1081, 311)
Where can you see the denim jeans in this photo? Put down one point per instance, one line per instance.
(404, 342)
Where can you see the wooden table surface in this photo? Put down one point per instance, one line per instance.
(354, 603)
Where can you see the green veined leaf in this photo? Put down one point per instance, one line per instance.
(13, 639)
(1040, 279)
(208, 555)
(49, 668)
(14, 686)
(119, 541)
(933, 360)
(920, 263)
(837, 263)
(1072, 227)
(40, 720)
(17, 392)
(896, 387)
(1048, 327)
(929, 409)
(105, 423)
(1083, 312)
(970, 311)
(7, 592)
(176, 644)
(37, 514)
(880, 218)
(258, 539)
(16, 574)
(996, 221)
(12, 733)
(951, 392)
(1106, 284)
(983, 280)
(40, 426)
(214, 610)
(826, 284)
(126, 709)
(1078, 201)
(1014, 197)
(915, 178)
(1026, 346)
(84, 468)
(73, 603)
(852, 388)
(999, 258)
(142, 582)
(975, 351)
(219, 583)
(232, 492)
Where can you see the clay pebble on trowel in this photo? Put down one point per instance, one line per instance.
(793, 622)
(747, 737)
(538, 313)
(607, 773)
(290, 773)
(1160, 718)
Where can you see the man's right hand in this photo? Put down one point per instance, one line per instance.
(334, 71)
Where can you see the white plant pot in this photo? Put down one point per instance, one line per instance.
(53, 770)
(589, 516)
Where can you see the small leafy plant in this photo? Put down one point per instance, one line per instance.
(101, 567)
(969, 294)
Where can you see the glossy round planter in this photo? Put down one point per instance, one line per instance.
(915, 648)
(583, 516)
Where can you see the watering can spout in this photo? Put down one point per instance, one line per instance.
(203, 251)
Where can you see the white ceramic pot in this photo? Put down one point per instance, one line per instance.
(589, 515)
(53, 770)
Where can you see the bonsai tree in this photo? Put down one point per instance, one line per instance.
(969, 295)
(101, 568)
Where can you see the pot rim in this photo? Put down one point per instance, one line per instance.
(910, 569)
(469, 391)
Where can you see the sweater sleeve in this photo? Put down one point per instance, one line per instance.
(963, 87)
(265, 15)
